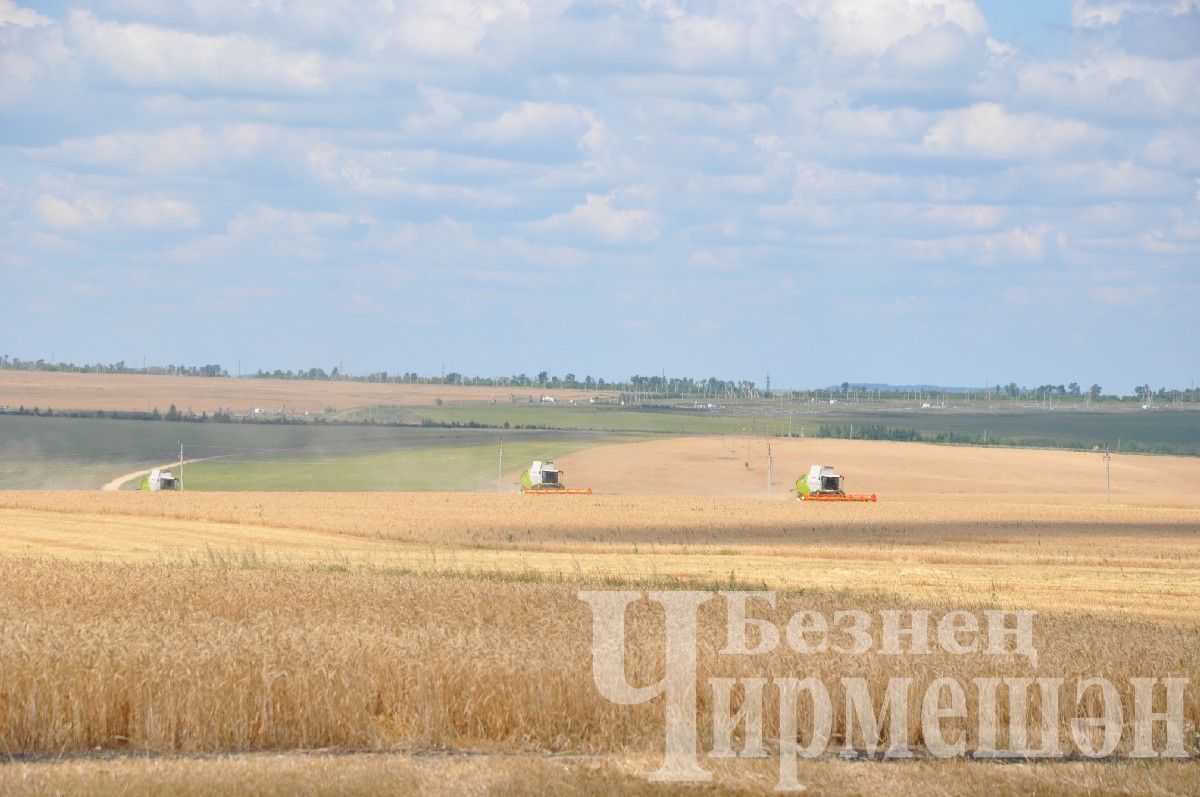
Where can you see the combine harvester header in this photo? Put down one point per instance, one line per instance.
(823, 483)
(543, 478)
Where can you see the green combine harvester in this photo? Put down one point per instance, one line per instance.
(159, 480)
(544, 478)
(823, 483)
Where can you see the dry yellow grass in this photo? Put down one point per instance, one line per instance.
(63, 391)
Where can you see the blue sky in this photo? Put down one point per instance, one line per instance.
(884, 190)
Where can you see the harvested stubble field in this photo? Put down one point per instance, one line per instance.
(137, 392)
(239, 623)
(938, 474)
(500, 774)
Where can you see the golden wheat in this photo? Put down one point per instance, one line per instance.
(171, 658)
(250, 622)
(1119, 560)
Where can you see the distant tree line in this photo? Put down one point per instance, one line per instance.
(120, 367)
(1071, 392)
(637, 388)
(172, 414)
(634, 386)
(853, 431)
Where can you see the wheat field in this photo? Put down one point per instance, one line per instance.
(434, 642)
(1124, 560)
(943, 534)
(898, 472)
(144, 392)
(235, 657)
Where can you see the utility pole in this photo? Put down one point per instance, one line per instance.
(770, 462)
(1107, 476)
(181, 466)
(749, 437)
(500, 467)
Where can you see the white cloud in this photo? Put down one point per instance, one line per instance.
(91, 211)
(1115, 85)
(1176, 235)
(189, 148)
(595, 218)
(151, 212)
(150, 56)
(1025, 244)
(873, 27)
(1123, 295)
(427, 175)
(13, 14)
(989, 131)
(874, 123)
(452, 29)
(699, 42)
(933, 51)
(531, 122)
(33, 58)
(973, 217)
(815, 181)
(1177, 148)
(64, 214)
(266, 220)
(1102, 13)
(1101, 180)
(260, 232)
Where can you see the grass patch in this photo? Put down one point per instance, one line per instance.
(415, 468)
(83, 453)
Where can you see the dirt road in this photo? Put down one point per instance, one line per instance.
(120, 481)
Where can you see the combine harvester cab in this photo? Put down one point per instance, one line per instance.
(544, 478)
(824, 483)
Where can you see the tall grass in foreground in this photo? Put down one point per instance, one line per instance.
(170, 658)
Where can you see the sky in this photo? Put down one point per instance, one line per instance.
(904, 191)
